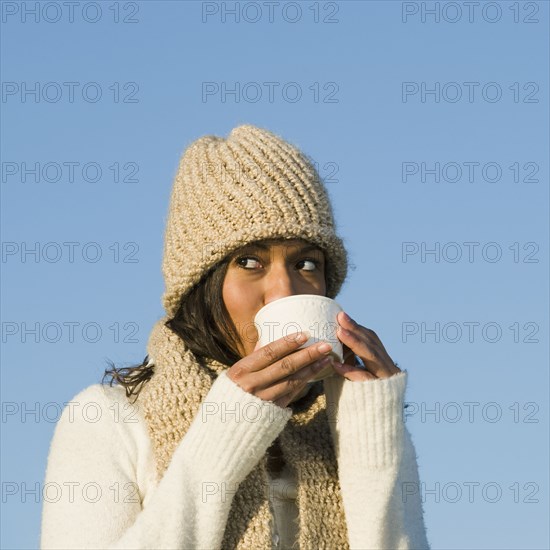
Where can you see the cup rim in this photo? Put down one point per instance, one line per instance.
(296, 297)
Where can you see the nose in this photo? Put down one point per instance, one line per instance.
(280, 283)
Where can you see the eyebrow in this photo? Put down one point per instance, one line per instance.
(303, 250)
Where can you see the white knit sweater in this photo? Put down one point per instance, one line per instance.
(100, 490)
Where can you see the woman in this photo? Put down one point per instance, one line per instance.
(215, 442)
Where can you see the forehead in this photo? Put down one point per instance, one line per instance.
(294, 244)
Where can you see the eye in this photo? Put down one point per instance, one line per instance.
(308, 264)
(310, 261)
(239, 261)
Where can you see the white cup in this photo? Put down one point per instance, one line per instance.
(302, 312)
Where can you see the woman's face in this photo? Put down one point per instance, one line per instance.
(263, 272)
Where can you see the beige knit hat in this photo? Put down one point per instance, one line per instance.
(230, 192)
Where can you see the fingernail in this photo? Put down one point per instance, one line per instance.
(346, 316)
(302, 337)
(325, 347)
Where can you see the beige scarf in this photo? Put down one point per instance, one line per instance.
(172, 397)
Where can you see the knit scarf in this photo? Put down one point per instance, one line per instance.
(171, 399)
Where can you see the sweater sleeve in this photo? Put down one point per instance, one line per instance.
(189, 506)
(377, 463)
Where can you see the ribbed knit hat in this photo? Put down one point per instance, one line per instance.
(230, 192)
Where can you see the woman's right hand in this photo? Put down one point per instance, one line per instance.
(277, 372)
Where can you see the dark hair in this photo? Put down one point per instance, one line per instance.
(202, 322)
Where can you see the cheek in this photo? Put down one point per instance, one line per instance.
(318, 285)
(229, 296)
(240, 302)
(237, 297)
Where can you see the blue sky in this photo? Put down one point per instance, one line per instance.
(430, 129)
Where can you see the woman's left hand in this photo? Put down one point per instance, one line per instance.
(363, 342)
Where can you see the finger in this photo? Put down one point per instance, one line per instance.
(285, 392)
(356, 342)
(287, 389)
(380, 367)
(349, 356)
(268, 354)
(366, 345)
(351, 326)
(291, 364)
(289, 398)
